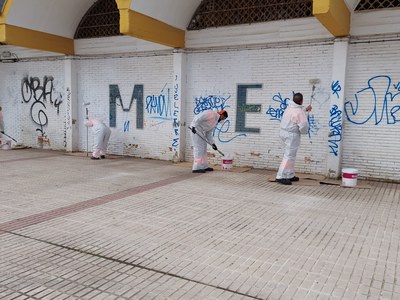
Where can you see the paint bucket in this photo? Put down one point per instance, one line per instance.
(349, 177)
(227, 162)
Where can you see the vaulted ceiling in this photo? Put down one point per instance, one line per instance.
(50, 25)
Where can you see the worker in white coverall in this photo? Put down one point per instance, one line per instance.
(202, 127)
(101, 137)
(294, 123)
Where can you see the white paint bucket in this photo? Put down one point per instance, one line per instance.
(349, 177)
(227, 162)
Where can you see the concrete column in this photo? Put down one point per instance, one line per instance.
(72, 106)
(340, 54)
(178, 106)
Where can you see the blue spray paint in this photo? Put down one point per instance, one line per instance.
(159, 105)
(277, 113)
(378, 105)
(209, 103)
(335, 129)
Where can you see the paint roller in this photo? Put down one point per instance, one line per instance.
(86, 104)
(313, 82)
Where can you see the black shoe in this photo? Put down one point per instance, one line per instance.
(95, 158)
(198, 171)
(209, 169)
(284, 181)
(103, 156)
(294, 178)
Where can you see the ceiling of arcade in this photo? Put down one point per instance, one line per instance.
(53, 26)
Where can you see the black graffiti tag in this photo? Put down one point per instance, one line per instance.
(31, 89)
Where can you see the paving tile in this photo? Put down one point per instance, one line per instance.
(134, 228)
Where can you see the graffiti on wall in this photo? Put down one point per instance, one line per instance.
(68, 117)
(216, 102)
(336, 88)
(210, 102)
(378, 102)
(223, 128)
(276, 111)
(176, 122)
(335, 121)
(39, 94)
(313, 126)
(159, 106)
(335, 129)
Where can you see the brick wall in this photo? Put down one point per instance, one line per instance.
(151, 74)
(276, 72)
(372, 113)
(251, 82)
(31, 95)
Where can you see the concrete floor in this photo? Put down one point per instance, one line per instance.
(126, 228)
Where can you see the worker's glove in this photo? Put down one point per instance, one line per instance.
(214, 147)
(194, 130)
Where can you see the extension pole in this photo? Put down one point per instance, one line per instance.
(10, 137)
(205, 140)
(87, 133)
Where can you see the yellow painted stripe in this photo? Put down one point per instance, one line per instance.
(144, 27)
(334, 15)
(18, 36)
(6, 8)
(124, 4)
(23, 37)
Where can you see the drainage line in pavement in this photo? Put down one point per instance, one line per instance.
(130, 264)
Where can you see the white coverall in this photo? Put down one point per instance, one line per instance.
(204, 124)
(101, 136)
(294, 123)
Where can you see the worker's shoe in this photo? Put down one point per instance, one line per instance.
(209, 169)
(102, 156)
(294, 178)
(95, 158)
(198, 171)
(284, 181)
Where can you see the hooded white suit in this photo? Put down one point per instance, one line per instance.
(204, 124)
(294, 123)
(101, 136)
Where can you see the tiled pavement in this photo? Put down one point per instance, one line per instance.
(125, 228)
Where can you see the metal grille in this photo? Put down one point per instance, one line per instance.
(102, 19)
(376, 4)
(216, 13)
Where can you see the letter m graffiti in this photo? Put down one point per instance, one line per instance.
(115, 96)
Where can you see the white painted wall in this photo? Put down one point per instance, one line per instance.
(281, 70)
(380, 21)
(59, 17)
(155, 73)
(23, 53)
(20, 109)
(373, 78)
(280, 63)
(114, 44)
(258, 33)
(176, 13)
